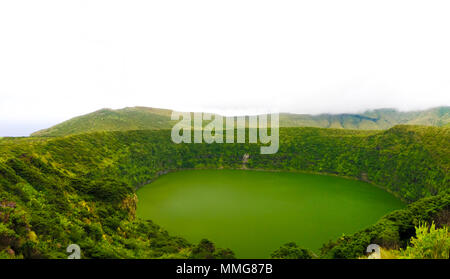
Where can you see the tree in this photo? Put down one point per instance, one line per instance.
(291, 251)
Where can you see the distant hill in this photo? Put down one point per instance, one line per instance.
(135, 118)
(143, 118)
(378, 119)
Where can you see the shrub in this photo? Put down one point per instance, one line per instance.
(429, 243)
(291, 251)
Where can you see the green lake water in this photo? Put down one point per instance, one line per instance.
(255, 212)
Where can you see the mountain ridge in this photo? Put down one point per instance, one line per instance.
(148, 118)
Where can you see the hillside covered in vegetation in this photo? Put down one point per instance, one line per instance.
(80, 188)
(142, 118)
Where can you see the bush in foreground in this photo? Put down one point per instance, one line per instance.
(429, 243)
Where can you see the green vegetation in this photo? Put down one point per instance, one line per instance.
(207, 250)
(137, 118)
(429, 243)
(393, 231)
(270, 207)
(292, 251)
(141, 118)
(49, 196)
(369, 120)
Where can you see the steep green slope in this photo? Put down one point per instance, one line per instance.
(80, 188)
(44, 207)
(141, 118)
(411, 161)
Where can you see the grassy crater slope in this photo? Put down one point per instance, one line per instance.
(80, 188)
(142, 118)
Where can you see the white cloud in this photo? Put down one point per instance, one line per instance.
(59, 59)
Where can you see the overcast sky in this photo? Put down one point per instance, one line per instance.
(60, 59)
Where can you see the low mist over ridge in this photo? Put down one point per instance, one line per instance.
(144, 118)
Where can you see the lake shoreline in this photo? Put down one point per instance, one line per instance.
(160, 173)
